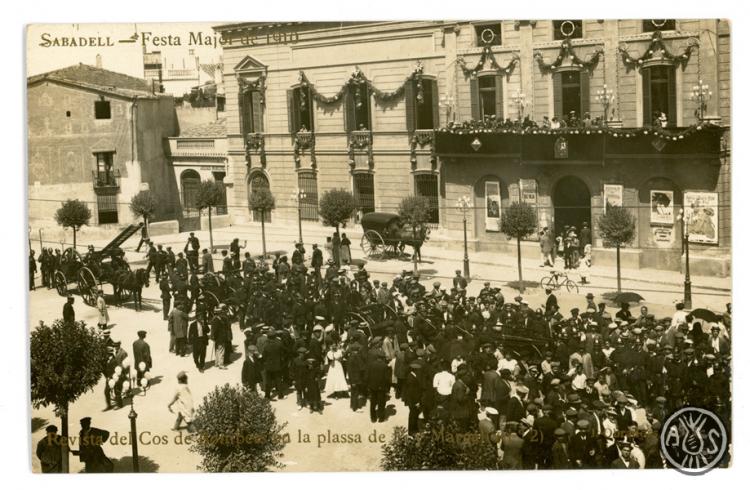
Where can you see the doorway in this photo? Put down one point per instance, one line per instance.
(572, 201)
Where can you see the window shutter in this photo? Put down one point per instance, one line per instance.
(244, 122)
(435, 104)
(411, 103)
(672, 98)
(557, 94)
(293, 107)
(257, 112)
(499, 98)
(474, 89)
(585, 92)
(648, 117)
(350, 123)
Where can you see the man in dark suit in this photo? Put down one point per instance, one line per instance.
(551, 300)
(251, 369)
(141, 353)
(166, 296)
(198, 338)
(378, 382)
(625, 461)
(317, 260)
(272, 362)
(502, 392)
(90, 449)
(69, 314)
(48, 451)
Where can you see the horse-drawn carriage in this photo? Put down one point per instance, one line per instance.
(217, 289)
(387, 234)
(96, 268)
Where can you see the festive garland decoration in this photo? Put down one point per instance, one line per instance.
(494, 126)
(359, 84)
(566, 51)
(255, 142)
(304, 140)
(657, 50)
(258, 85)
(421, 139)
(487, 54)
(360, 143)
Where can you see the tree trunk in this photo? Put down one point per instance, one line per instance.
(74, 238)
(337, 250)
(210, 231)
(414, 253)
(145, 223)
(619, 281)
(65, 465)
(520, 270)
(263, 231)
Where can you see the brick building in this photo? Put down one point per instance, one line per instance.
(365, 106)
(98, 136)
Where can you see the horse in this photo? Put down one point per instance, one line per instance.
(132, 281)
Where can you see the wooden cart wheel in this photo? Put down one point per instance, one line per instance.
(361, 319)
(87, 286)
(372, 244)
(61, 284)
(210, 300)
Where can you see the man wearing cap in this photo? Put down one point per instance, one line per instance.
(90, 452)
(141, 354)
(177, 324)
(560, 451)
(582, 448)
(516, 404)
(221, 334)
(69, 314)
(626, 460)
(272, 364)
(512, 443)
(719, 345)
(49, 452)
(198, 338)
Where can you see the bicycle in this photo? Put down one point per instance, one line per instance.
(557, 280)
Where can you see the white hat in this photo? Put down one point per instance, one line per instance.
(491, 410)
(329, 328)
(319, 318)
(317, 328)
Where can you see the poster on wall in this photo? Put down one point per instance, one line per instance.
(492, 210)
(528, 191)
(612, 195)
(662, 207)
(702, 217)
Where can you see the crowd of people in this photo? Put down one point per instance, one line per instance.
(588, 389)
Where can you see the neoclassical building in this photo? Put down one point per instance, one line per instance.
(383, 109)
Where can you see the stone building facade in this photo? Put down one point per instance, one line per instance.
(318, 106)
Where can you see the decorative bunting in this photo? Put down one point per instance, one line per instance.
(566, 52)
(361, 85)
(488, 55)
(658, 51)
(258, 85)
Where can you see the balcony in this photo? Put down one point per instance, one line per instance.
(304, 140)
(360, 139)
(255, 144)
(106, 182)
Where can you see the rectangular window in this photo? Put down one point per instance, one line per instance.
(487, 96)
(651, 25)
(106, 206)
(659, 95)
(567, 29)
(252, 112)
(426, 185)
(364, 192)
(488, 34)
(102, 109)
(308, 183)
(221, 208)
(105, 173)
(358, 110)
(571, 92)
(426, 109)
(300, 109)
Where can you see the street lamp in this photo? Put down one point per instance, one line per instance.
(520, 99)
(701, 94)
(297, 196)
(688, 296)
(133, 379)
(446, 102)
(605, 97)
(464, 204)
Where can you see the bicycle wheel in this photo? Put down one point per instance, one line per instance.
(571, 286)
(548, 283)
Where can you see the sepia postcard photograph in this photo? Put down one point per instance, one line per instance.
(346, 246)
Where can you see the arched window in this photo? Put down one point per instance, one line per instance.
(190, 181)
(257, 181)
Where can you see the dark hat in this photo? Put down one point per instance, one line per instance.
(589, 296)
(51, 428)
(141, 333)
(583, 424)
(599, 404)
(302, 350)
(574, 398)
(571, 412)
(85, 420)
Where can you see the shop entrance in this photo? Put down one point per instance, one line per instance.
(572, 201)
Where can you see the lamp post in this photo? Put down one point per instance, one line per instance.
(464, 204)
(130, 387)
(520, 100)
(700, 94)
(687, 296)
(605, 97)
(297, 196)
(446, 102)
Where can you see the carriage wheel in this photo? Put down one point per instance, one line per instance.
(87, 286)
(361, 319)
(372, 244)
(61, 284)
(210, 301)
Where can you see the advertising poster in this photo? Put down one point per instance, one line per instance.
(702, 217)
(492, 211)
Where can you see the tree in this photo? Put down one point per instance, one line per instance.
(73, 214)
(237, 432)
(67, 360)
(336, 207)
(210, 194)
(262, 201)
(518, 221)
(438, 447)
(617, 228)
(415, 213)
(143, 205)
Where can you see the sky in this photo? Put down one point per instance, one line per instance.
(45, 49)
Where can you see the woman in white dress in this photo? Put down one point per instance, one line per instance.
(336, 385)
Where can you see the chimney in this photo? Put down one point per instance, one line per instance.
(98, 61)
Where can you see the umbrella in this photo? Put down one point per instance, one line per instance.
(704, 314)
(627, 297)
